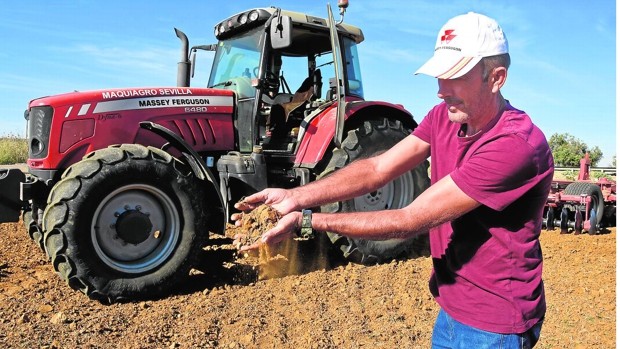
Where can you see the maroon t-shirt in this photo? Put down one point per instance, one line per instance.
(487, 264)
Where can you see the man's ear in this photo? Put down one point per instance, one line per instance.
(498, 78)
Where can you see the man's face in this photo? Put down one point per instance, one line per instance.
(469, 98)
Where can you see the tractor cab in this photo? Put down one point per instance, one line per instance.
(282, 68)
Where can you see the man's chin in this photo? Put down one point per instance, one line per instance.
(457, 116)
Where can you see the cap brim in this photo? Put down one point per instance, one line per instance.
(447, 66)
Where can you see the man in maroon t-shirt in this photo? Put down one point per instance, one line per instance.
(493, 164)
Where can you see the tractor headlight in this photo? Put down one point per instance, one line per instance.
(253, 16)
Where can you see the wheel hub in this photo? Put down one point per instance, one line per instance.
(396, 194)
(133, 227)
(374, 201)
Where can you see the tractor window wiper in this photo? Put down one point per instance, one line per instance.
(225, 83)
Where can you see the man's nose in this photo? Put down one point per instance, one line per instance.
(444, 88)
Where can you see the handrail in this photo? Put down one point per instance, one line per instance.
(606, 170)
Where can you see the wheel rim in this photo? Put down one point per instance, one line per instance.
(396, 194)
(135, 228)
(594, 217)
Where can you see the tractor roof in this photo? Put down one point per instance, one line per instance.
(246, 20)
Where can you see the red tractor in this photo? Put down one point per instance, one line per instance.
(581, 205)
(124, 185)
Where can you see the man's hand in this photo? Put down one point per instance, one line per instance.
(285, 229)
(280, 199)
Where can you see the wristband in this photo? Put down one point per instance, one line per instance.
(306, 231)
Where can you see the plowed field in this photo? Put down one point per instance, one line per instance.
(226, 305)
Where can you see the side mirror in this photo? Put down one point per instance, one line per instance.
(280, 32)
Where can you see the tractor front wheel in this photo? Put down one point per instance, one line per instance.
(125, 223)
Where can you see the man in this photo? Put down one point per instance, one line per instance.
(491, 173)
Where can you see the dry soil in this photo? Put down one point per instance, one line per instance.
(224, 303)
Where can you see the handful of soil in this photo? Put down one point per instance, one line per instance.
(254, 224)
(289, 257)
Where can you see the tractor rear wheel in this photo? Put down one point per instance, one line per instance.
(371, 138)
(126, 223)
(597, 207)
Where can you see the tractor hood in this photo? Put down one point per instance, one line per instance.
(142, 96)
(63, 128)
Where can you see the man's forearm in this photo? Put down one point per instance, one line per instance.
(377, 225)
(364, 175)
(428, 210)
(348, 182)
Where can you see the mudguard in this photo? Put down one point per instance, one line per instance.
(320, 128)
(195, 162)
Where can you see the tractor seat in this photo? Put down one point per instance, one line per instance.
(310, 89)
(279, 123)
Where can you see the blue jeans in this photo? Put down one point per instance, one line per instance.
(449, 333)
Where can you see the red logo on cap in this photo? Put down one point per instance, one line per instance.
(447, 36)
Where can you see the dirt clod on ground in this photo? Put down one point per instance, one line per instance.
(342, 306)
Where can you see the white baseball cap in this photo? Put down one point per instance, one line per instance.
(462, 42)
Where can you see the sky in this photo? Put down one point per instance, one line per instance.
(563, 71)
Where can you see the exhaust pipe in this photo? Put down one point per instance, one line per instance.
(183, 67)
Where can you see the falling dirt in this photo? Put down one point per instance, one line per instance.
(224, 304)
(291, 257)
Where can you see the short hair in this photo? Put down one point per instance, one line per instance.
(492, 62)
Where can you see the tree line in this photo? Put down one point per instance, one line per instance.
(567, 150)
